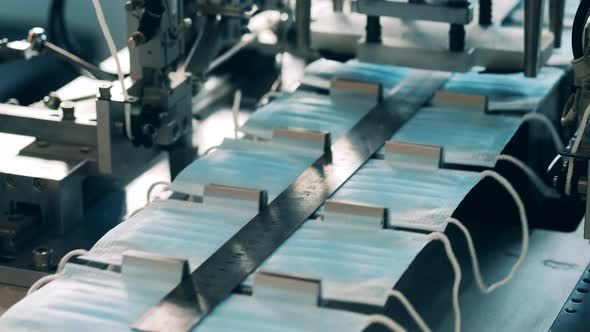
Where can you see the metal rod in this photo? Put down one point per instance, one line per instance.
(69, 57)
(302, 24)
(556, 16)
(533, 20)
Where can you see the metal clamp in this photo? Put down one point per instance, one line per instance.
(355, 92)
(245, 199)
(298, 289)
(302, 138)
(416, 155)
(355, 214)
(460, 101)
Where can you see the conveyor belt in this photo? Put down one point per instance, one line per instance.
(215, 279)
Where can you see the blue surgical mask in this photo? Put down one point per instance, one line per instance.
(304, 110)
(172, 228)
(417, 198)
(354, 263)
(247, 164)
(319, 73)
(507, 92)
(357, 265)
(96, 300)
(469, 138)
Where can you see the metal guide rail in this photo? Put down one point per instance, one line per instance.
(214, 280)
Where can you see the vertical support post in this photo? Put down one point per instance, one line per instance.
(533, 20)
(556, 16)
(373, 29)
(485, 13)
(457, 31)
(302, 24)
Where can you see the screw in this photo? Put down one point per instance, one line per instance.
(38, 185)
(84, 149)
(42, 257)
(10, 181)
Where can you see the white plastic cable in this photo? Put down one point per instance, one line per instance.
(111, 44)
(113, 50)
(411, 310)
(541, 118)
(525, 238)
(456, 269)
(60, 266)
(385, 321)
(575, 146)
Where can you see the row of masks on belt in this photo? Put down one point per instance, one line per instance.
(101, 300)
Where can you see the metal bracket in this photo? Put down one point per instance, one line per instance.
(460, 101)
(357, 92)
(302, 138)
(245, 199)
(412, 154)
(153, 270)
(295, 288)
(355, 214)
(415, 11)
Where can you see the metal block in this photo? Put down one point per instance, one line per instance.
(53, 187)
(46, 125)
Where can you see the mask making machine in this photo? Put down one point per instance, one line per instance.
(397, 63)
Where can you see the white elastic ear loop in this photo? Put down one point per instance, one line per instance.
(411, 310)
(525, 238)
(151, 188)
(166, 184)
(456, 269)
(391, 324)
(539, 183)
(60, 266)
(541, 118)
